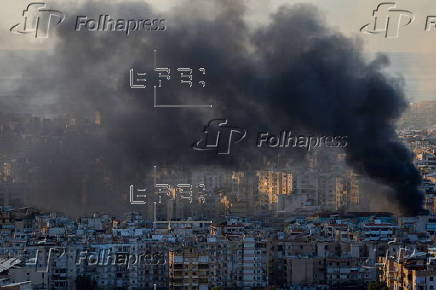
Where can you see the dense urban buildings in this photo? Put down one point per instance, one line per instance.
(311, 224)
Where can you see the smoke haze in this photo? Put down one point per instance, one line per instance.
(292, 73)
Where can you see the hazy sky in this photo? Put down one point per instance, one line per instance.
(292, 73)
(412, 54)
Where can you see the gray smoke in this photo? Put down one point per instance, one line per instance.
(294, 73)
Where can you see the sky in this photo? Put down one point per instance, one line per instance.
(411, 54)
(281, 69)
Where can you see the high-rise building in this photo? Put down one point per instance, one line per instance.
(271, 184)
(188, 269)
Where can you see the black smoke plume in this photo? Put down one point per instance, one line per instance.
(292, 73)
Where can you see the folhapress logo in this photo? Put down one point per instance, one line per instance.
(37, 20)
(388, 20)
(219, 136)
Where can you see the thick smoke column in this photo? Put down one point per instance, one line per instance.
(294, 73)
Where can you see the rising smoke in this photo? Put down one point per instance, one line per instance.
(292, 73)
